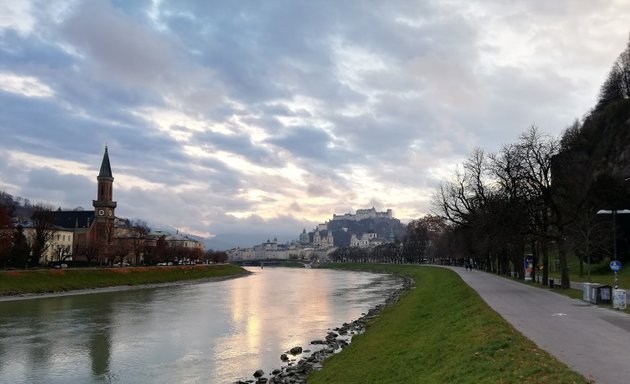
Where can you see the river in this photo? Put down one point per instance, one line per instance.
(213, 332)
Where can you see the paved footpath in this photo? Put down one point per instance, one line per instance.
(591, 340)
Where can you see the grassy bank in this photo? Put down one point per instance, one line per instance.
(59, 280)
(440, 332)
(600, 273)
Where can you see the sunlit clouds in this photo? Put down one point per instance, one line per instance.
(268, 117)
(24, 85)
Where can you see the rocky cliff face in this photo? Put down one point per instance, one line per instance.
(602, 143)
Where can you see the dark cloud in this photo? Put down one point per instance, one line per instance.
(304, 142)
(48, 186)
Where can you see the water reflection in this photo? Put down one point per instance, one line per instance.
(203, 333)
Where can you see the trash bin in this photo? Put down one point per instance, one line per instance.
(600, 294)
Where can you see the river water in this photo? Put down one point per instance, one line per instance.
(213, 332)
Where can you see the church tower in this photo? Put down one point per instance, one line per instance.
(104, 206)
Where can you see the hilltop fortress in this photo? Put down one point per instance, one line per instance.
(366, 228)
(363, 214)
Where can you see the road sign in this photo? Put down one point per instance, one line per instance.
(615, 265)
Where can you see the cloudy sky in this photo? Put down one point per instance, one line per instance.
(270, 116)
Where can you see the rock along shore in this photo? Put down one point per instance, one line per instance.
(296, 372)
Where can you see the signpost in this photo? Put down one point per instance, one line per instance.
(615, 265)
(619, 295)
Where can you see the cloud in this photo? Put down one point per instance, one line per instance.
(24, 85)
(48, 186)
(17, 17)
(227, 117)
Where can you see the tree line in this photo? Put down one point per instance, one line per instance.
(541, 195)
(537, 198)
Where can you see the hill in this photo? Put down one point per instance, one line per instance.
(342, 230)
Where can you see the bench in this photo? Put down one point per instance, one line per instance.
(555, 283)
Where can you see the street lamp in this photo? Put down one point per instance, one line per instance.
(614, 213)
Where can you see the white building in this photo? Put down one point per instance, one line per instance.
(270, 250)
(322, 237)
(363, 241)
(58, 248)
(178, 240)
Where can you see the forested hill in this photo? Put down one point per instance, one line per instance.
(342, 230)
(603, 138)
(595, 154)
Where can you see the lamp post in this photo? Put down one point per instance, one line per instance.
(614, 213)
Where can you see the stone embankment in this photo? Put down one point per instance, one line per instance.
(297, 371)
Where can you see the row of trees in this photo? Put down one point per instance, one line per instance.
(538, 198)
(541, 195)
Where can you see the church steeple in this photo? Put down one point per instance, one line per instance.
(103, 228)
(106, 169)
(104, 204)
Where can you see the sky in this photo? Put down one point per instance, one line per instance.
(266, 117)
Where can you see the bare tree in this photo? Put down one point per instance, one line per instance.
(547, 207)
(119, 250)
(464, 202)
(415, 242)
(88, 251)
(6, 235)
(216, 256)
(162, 249)
(589, 236)
(139, 230)
(20, 251)
(44, 231)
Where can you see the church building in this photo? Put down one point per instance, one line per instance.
(93, 231)
(98, 237)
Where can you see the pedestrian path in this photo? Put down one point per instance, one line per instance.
(593, 341)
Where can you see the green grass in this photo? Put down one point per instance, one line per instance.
(59, 280)
(600, 273)
(289, 264)
(441, 331)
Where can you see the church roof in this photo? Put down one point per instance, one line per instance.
(106, 169)
(73, 219)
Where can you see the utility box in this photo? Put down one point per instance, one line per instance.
(600, 294)
(619, 299)
(586, 291)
